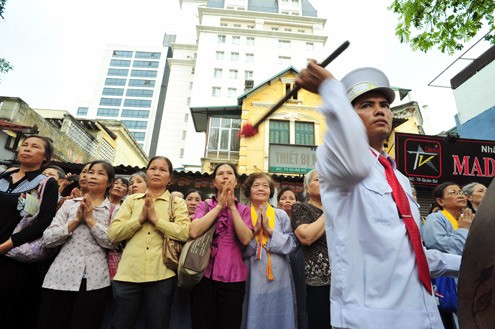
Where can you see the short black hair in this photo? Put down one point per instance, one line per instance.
(48, 146)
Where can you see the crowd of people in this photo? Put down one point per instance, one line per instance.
(352, 254)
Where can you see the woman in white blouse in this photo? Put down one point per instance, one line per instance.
(77, 284)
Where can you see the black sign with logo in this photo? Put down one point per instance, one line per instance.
(431, 160)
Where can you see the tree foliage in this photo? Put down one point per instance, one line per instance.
(4, 65)
(446, 24)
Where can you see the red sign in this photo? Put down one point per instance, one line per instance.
(431, 160)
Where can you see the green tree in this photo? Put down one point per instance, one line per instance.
(4, 65)
(446, 24)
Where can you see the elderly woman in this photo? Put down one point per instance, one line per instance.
(447, 230)
(216, 302)
(142, 278)
(77, 284)
(118, 191)
(474, 193)
(270, 296)
(137, 183)
(308, 225)
(20, 283)
(285, 199)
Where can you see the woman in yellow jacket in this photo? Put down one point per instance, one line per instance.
(142, 278)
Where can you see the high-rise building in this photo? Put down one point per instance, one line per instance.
(224, 48)
(131, 87)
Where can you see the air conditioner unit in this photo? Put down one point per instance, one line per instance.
(248, 84)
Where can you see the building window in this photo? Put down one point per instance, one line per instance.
(248, 75)
(221, 38)
(137, 103)
(138, 135)
(113, 91)
(110, 101)
(104, 112)
(237, 25)
(186, 117)
(193, 70)
(215, 91)
(284, 60)
(301, 30)
(120, 63)
(135, 124)
(220, 55)
(310, 46)
(283, 43)
(184, 135)
(117, 72)
(148, 64)
(233, 74)
(305, 133)
(141, 83)
(181, 154)
(188, 101)
(190, 85)
(139, 114)
(223, 24)
(82, 111)
(250, 41)
(217, 73)
(279, 132)
(236, 40)
(249, 57)
(250, 26)
(139, 93)
(122, 53)
(274, 28)
(223, 138)
(115, 82)
(234, 57)
(147, 55)
(232, 92)
(287, 30)
(143, 73)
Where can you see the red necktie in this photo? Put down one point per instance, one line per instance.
(402, 202)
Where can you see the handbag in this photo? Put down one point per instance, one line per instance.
(171, 248)
(114, 255)
(32, 251)
(445, 293)
(194, 259)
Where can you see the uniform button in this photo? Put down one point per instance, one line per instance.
(149, 233)
(147, 248)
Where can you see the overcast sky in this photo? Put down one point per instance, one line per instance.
(56, 48)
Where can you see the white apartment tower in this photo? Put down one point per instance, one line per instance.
(131, 87)
(224, 48)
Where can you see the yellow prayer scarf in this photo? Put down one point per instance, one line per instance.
(451, 219)
(270, 213)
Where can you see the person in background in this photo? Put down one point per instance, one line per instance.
(118, 191)
(20, 283)
(142, 278)
(308, 225)
(380, 271)
(181, 308)
(77, 285)
(193, 198)
(286, 198)
(216, 301)
(77, 191)
(270, 300)
(474, 193)
(446, 230)
(137, 183)
(177, 194)
(59, 175)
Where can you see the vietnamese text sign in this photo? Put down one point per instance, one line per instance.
(431, 160)
(291, 159)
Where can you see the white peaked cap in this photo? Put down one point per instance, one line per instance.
(364, 79)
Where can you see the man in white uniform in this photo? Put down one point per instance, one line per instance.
(375, 273)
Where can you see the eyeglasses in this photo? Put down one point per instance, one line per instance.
(454, 192)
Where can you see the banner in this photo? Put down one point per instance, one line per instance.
(432, 160)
